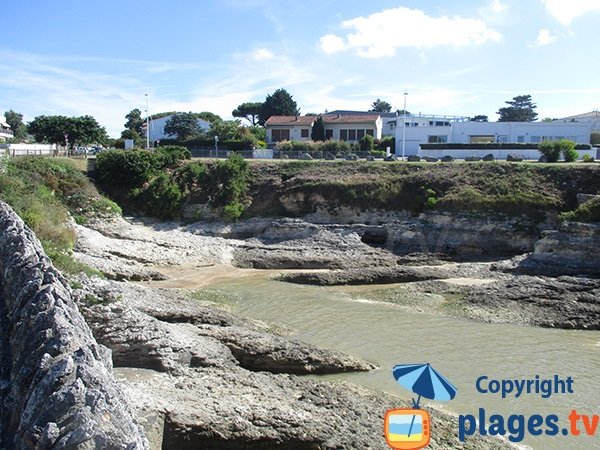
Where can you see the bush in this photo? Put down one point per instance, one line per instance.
(190, 176)
(568, 151)
(550, 150)
(366, 143)
(125, 168)
(587, 212)
(162, 197)
(587, 158)
(170, 155)
(227, 186)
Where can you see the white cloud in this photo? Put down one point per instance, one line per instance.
(544, 38)
(380, 34)
(497, 7)
(565, 11)
(262, 54)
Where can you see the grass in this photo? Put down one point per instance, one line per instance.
(45, 192)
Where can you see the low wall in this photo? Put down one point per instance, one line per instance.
(56, 385)
(499, 154)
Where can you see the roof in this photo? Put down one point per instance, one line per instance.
(357, 118)
(592, 115)
(345, 112)
(290, 120)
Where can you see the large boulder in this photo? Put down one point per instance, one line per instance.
(414, 158)
(447, 158)
(489, 157)
(56, 385)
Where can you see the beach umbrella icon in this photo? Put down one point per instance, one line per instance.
(425, 381)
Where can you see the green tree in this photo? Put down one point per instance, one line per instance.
(381, 106)
(479, 118)
(402, 113)
(60, 129)
(521, 109)
(183, 126)
(318, 130)
(15, 120)
(280, 103)
(134, 121)
(248, 111)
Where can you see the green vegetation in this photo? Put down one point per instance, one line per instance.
(44, 191)
(553, 149)
(158, 182)
(587, 212)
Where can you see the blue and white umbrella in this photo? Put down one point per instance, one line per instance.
(425, 381)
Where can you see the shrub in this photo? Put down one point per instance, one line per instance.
(587, 212)
(550, 150)
(161, 198)
(125, 168)
(227, 185)
(366, 143)
(587, 158)
(568, 151)
(190, 175)
(170, 155)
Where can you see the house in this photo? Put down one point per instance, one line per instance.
(592, 117)
(157, 128)
(5, 131)
(351, 128)
(459, 130)
(388, 119)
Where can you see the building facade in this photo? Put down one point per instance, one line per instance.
(351, 128)
(5, 131)
(157, 128)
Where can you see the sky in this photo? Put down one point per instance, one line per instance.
(465, 57)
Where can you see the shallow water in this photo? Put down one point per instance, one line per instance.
(461, 350)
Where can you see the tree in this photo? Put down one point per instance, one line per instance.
(402, 113)
(520, 109)
(67, 130)
(134, 121)
(479, 118)
(381, 106)
(318, 130)
(15, 120)
(280, 103)
(183, 126)
(248, 111)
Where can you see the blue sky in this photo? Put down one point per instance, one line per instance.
(465, 57)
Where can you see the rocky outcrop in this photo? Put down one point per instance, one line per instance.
(573, 249)
(56, 386)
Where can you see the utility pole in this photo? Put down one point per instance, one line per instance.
(147, 123)
(404, 126)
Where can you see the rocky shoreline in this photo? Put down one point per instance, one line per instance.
(200, 377)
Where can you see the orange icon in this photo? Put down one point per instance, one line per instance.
(407, 429)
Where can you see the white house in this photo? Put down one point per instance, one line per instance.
(5, 131)
(419, 130)
(351, 128)
(157, 128)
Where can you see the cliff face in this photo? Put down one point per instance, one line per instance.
(56, 386)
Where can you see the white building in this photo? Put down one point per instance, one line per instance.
(5, 131)
(157, 128)
(452, 129)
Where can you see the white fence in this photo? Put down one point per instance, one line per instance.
(29, 149)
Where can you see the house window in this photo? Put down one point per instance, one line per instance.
(360, 134)
(304, 133)
(343, 135)
(351, 135)
(371, 132)
(437, 139)
(280, 135)
(502, 138)
(536, 139)
(482, 139)
(520, 139)
(328, 134)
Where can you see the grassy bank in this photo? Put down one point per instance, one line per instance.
(513, 189)
(45, 192)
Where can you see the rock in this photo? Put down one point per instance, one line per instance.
(447, 158)
(473, 158)
(57, 389)
(489, 157)
(305, 157)
(390, 158)
(514, 158)
(414, 158)
(370, 158)
(430, 159)
(330, 157)
(543, 159)
(352, 157)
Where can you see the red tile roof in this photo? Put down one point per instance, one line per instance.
(290, 120)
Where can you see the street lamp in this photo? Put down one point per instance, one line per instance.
(216, 146)
(404, 126)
